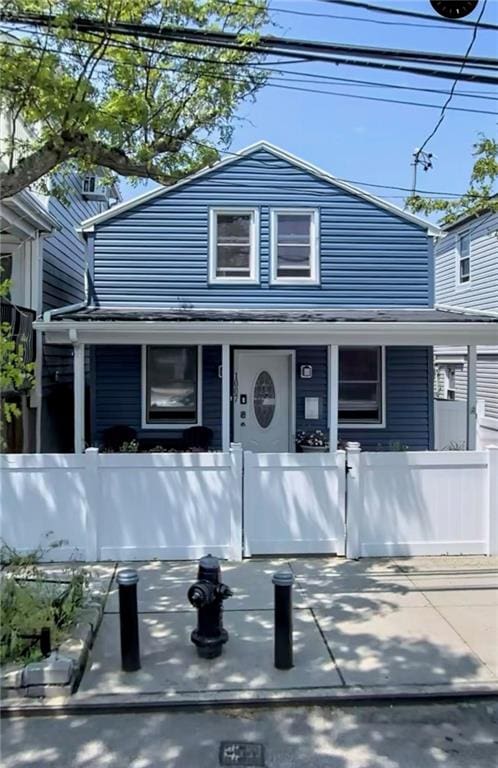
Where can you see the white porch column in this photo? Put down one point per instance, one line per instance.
(333, 395)
(471, 397)
(79, 397)
(225, 398)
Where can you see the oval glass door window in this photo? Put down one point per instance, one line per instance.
(264, 399)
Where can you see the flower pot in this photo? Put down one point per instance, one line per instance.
(314, 448)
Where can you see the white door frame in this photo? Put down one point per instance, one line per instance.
(291, 354)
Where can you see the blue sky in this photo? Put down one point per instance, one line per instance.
(367, 141)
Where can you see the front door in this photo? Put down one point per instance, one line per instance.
(262, 400)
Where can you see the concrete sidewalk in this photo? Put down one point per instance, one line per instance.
(373, 627)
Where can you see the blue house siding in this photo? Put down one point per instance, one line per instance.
(117, 386)
(64, 264)
(157, 253)
(63, 283)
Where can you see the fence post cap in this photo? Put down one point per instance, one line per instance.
(283, 578)
(353, 446)
(127, 577)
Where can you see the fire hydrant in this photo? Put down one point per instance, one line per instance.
(207, 595)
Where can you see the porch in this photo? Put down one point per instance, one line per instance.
(259, 377)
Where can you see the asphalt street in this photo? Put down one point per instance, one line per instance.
(425, 735)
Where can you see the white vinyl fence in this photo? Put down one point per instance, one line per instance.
(294, 503)
(122, 505)
(422, 503)
(182, 505)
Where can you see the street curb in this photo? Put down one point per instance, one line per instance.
(329, 697)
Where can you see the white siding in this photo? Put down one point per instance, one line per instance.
(480, 293)
(482, 290)
(487, 383)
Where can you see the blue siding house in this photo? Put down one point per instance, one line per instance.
(256, 300)
(63, 283)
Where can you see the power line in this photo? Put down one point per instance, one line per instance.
(231, 39)
(284, 86)
(419, 153)
(362, 20)
(446, 106)
(196, 37)
(412, 14)
(455, 195)
(303, 77)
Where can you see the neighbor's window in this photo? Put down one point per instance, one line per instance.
(295, 251)
(463, 250)
(171, 385)
(233, 245)
(360, 385)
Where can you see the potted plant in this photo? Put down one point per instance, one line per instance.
(312, 442)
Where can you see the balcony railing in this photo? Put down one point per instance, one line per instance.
(21, 321)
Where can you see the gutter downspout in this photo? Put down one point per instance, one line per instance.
(50, 313)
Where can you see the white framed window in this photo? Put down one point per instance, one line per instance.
(171, 386)
(233, 245)
(463, 258)
(362, 393)
(294, 246)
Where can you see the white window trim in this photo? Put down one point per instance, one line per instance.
(253, 278)
(459, 283)
(369, 425)
(314, 278)
(177, 425)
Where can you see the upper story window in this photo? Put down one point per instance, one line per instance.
(463, 257)
(361, 390)
(93, 189)
(233, 247)
(294, 246)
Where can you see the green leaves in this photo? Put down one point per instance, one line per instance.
(87, 95)
(479, 196)
(15, 374)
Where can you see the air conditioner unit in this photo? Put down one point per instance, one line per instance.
(91, 190)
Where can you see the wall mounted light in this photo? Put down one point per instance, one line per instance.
(306, 372)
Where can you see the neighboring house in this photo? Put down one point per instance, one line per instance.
(64, 282)
(259, 298)
(467, 276)
(45, 259)
(25, 223)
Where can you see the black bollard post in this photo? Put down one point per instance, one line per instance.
(128, 619)
(45, 643)
(283, 581)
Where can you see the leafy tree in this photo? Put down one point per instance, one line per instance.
(479, 197)
(15, 374)
(137, 107)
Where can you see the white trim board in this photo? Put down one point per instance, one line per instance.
(270, 333)
(89, 224)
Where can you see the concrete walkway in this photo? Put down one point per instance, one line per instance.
(373, 627)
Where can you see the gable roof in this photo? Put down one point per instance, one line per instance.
(88, 224)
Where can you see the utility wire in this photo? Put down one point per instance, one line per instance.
(412, 14)
(201, 39)
(263, 43)
(446, 106)
(341, 17)
(275, 82)
(303, 76)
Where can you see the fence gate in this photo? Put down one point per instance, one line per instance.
(294, 503)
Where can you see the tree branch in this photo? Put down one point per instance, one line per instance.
(67, 146)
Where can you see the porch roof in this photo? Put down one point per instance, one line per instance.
(120, 325)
